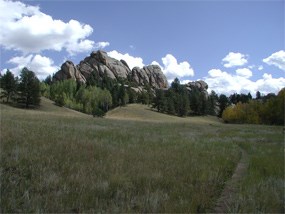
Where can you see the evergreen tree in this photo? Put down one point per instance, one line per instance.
(144, 98)
(258, 95)
(195, 101)
(133, 96)
(171, 102)
(48, 80)
(159, 101)
(175, 85)
(202, 104)
(29, 88)
(223, 103)
(234, 98)
(93, 79)
(183, 104)
(212, 103)
(123, 95)
(9, 84)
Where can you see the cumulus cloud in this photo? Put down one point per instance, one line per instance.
(131, 60)
(260, 68)
(223, 82)
(41, 65)
(101, 45)
(269, 84)
(277, 59)
(25, 28)
(234, 59)
(172, 69)
(244, 72)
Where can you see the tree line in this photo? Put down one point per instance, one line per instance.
(236, 108)
(23, 91)
(262, 110)
(177, 100)
(100, 94)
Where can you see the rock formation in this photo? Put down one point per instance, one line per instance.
(69, 71)
(100, 63)
(149, 75)
(201, 85)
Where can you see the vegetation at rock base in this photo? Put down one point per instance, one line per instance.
(99, 95)
(134, 160)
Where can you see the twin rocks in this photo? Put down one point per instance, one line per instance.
(102, 64)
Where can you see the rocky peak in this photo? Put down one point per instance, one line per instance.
(100, 63)
(69, 71)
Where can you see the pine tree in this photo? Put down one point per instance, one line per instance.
(29, 88)
(212, 103)
(224, 103)
(159, 101)
(9, 84)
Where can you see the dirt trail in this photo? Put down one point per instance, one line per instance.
(231, 185)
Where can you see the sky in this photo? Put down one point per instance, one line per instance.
(236, 46)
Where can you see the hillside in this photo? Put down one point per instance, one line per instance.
(140, 112)
(48, 107)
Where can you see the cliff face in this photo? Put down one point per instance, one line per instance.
(100, 63)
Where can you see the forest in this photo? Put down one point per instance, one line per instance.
(98, 96)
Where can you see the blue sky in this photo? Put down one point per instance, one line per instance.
(235, 46)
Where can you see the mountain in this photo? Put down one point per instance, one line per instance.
(99, 64)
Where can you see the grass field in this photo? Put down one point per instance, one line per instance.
(134, 160)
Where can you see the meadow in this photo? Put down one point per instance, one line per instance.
(134, 160)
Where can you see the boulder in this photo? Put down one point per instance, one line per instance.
(201, 85)
(69, 71)
(149, 75)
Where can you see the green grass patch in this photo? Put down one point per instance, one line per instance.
(57, 160)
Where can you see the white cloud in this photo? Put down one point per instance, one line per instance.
(277, 59)
(185, 81)
(269, 84)
(131, 60)
(260, 68)
(244, 72)
(41, 65)
(101, 45)
(225, 83)
(172, 69)
(25, 28)
(234, 59)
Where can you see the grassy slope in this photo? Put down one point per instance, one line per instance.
(139, 112)
(57, 160)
